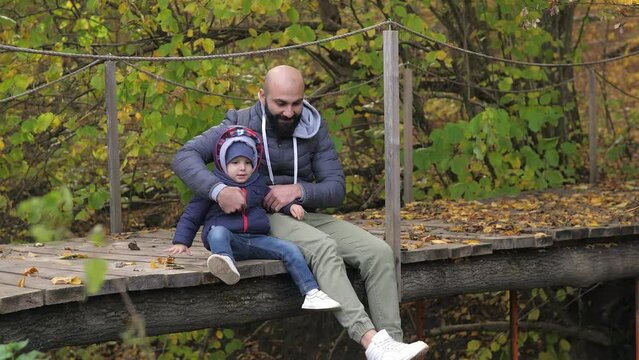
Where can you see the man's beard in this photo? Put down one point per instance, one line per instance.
(283, 128)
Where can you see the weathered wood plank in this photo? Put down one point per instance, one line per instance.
(14, 299)
(53, 294)
(48, 270)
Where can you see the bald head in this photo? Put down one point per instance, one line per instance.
(283, 99)
(284, 78)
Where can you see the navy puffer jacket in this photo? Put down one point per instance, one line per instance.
(319, 170)
(203, 211)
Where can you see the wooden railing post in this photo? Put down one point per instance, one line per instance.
(115, 206)
(592, 129)
(391, 147)
(408, 134)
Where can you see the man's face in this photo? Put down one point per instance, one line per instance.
(283, 117)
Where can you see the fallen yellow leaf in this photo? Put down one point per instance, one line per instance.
(71, 256)
(68, 280)
(21, 282)
(472, 242)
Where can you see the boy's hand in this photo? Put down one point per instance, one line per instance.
(297, 211)
(178, 249)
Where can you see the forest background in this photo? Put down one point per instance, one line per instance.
(483, 127)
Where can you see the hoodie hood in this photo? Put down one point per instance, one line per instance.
(309, 122)
(229, 137)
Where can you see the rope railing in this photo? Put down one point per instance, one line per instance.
(479, 87)
(615, 86)
(184, 86)
(46, 85)
(187, 87)
(390, 23)
(194, 57)
(514, 62)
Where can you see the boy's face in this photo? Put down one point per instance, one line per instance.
(239, 169)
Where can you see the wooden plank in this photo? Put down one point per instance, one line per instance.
(159, 234)
(47, 270)
(53, 294)
(604, 231)
(457, 251)
(427, 253)
(14, 298)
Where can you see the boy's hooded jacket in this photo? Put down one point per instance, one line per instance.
(203, 211)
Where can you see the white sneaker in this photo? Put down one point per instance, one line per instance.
(320, 301)
(383, 347)
(222, 266)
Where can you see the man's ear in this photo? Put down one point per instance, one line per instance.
(261, 95)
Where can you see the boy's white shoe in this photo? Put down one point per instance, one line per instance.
(383, 347)
(222, 266)
(320, 301)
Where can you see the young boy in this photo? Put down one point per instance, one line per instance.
(243, 235)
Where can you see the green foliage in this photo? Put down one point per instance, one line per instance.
(217, 344)
(95, 271)
(49, 216)
(491, 155)
(14, 351)
(520, 140)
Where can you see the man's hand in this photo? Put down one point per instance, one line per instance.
(231, 199)
(281, 195)
(178, 249)
(297, 211)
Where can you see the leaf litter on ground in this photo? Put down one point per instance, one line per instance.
(608, 204)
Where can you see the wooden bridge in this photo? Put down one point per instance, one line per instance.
(183, 295)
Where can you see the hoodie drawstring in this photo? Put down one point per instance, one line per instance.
(267, 153)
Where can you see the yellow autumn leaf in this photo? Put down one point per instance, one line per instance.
(437, 241)
(540, 235)
(219, 334)
(153, 264)
(73, 256)
(66, 280)
(21, 282)
(472, 242)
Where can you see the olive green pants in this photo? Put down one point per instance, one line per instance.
(327, 244)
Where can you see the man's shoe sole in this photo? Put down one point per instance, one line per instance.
(419, 348)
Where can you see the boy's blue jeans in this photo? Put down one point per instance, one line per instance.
(256, 246)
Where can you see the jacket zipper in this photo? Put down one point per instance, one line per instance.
(244, 215)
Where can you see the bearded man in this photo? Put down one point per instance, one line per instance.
(302, 165)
